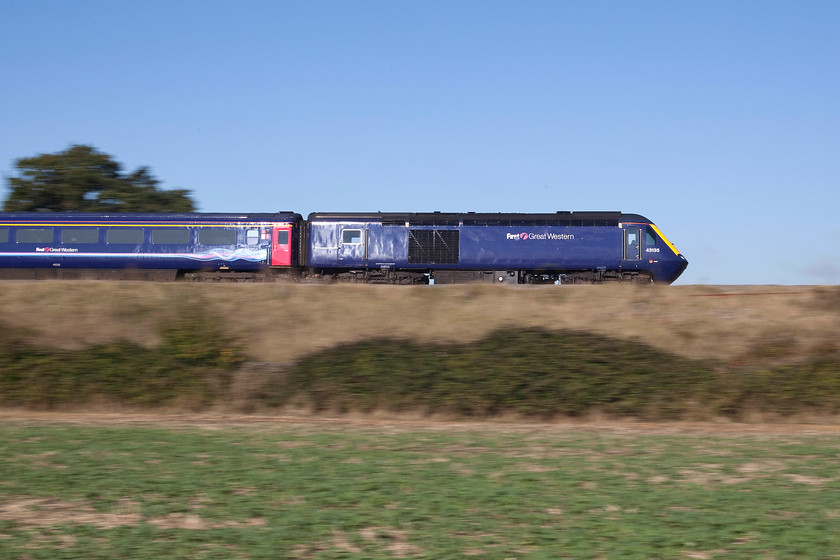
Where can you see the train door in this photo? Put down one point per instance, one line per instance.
(632, 243)
(352, 245)
(281, 245)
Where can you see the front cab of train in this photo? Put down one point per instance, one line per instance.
(647, 250)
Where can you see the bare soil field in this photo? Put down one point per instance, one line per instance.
(282, 322)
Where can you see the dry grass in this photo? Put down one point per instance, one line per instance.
(282, 322)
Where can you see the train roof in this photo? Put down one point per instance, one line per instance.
(72, 217)
(477, 218)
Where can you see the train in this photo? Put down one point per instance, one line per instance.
(360, 247)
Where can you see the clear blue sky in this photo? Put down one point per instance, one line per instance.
(719, 120)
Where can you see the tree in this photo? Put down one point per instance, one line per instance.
(85, 180)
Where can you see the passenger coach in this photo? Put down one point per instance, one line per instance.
(146, 246)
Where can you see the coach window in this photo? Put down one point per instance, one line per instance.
(282, 237)
(217, 236)
(40, 235)
(170, 236)
(351, 236)
(86, 235)
(252, 237)
(124, 236)
(4, 235)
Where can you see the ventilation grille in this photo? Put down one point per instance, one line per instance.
(433, 246)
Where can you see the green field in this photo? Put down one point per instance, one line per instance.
(280, 488)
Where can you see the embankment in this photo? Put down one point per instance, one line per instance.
(677, 352)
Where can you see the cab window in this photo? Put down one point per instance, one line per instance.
(650, 237)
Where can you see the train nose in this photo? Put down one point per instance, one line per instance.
(681, 266)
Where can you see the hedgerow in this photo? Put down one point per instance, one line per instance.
(530, 373)
(191, 368)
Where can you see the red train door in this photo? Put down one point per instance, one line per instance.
(281, 245)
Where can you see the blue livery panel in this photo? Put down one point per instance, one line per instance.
(376, 245)
(540, 248)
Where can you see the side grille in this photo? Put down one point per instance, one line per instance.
(433, 246)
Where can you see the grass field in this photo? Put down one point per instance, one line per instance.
(286, 488)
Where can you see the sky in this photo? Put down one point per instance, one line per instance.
(718, 120)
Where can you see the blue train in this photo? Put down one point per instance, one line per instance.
(388, 248)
